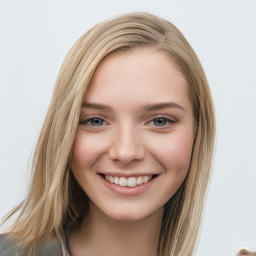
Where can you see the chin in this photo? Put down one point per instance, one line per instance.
(130, 216)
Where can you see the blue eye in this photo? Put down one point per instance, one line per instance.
(160, 121)
(93, 122)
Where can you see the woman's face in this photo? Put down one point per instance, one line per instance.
(133, 145)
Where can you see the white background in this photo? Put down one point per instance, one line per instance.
(35, 37)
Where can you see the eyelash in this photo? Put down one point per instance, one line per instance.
(88, 120)
(167, 121)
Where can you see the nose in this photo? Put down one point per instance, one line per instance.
(126, 146)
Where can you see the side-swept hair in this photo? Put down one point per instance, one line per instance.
(55, 204)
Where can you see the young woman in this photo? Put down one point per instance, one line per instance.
(124, 156)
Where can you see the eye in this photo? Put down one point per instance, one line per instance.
(160, 121)
(93, 121)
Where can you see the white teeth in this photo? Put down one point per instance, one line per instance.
(139, 180)
(145, 179)
(128, 182)
(116, 180)
(123, 182)
(132, 182)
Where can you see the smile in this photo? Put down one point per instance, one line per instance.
(128, 182)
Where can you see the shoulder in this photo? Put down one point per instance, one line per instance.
(7, 246)
(47, 248)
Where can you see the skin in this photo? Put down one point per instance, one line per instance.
(244, 252)
(128, 129)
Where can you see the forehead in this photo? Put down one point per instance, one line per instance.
(137, 61)
(139, 75)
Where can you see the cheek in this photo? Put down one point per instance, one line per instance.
(80, 154)
(85, 151)
(174, 153)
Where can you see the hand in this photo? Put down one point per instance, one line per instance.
(244, 252)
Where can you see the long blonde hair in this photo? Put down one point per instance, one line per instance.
(55, 204)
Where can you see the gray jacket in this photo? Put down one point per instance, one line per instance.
(49, 248)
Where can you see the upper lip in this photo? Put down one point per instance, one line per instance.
(123, 174)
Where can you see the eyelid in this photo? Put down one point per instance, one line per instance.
(170, 121)
(86, 118)
(167, 117)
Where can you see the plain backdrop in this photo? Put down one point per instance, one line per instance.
(35, 37)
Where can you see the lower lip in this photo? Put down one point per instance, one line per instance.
(128, 191)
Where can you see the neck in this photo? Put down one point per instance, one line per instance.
(101, 235)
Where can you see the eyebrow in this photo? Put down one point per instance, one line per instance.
(163, 105)
(145, 108)
(96, 106)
